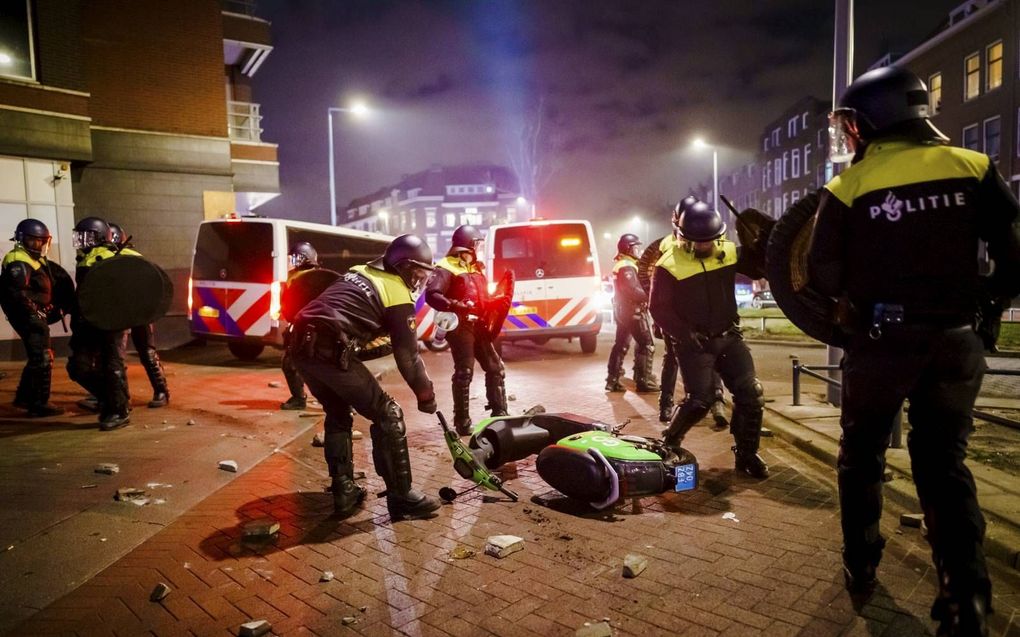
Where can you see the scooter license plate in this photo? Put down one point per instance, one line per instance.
(686, 477)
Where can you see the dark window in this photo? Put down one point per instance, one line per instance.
(337, 252)
(970, 137)
(993, 135)
(558, 251)
(234, 251)
(16, 40)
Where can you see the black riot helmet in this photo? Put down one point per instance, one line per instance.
(409, 257)
(682, 207)
(302, 253)
(465, 239)
(90, 232)
(887, 101)
(628, 244)
(116, 233)
(33, 236)
(700, 222)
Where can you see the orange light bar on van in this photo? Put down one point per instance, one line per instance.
(191, 294)
(274, 300)
(208, 312)
(570, 242)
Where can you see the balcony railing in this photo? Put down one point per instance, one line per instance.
(243, 121)
(244, 7)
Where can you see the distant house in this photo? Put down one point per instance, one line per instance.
(433, 202)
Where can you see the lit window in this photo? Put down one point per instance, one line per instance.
(795, 163)
(807, 159)
(993, 61)
(935, 93)
(16, 53)
(970, 137)
(972, 76)
(791, 128)
(449, 219)
(993, 136)
(786, 165)
(430, 217)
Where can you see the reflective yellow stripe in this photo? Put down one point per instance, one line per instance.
(456, 266)
(19, 254)
(97, 254)
(667, 242)
(130, 252)
(625, 261)
(683, 265)
(900, 163)
(390, 287)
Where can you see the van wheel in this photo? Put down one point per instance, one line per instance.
(437, 347)
(589, 343)
(245, 351)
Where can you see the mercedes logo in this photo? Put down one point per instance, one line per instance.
(539, 273)
(223, 273)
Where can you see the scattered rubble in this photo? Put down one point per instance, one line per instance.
(462, 552)
(730, 515)
(274, 384)
(260, 529)
(319, 440)
(634, 565)
(159, 593)
(89, 486)
(534, 409)
(766, 432)
(887, 475)
(132, 495)
(356, 435)
(598, 629)
(912, 520)
(228, 465)
(500, 546)
(327, 576)
(348, 620)
(511, 397)
(256, 628)
(191, 422)
(107, 468)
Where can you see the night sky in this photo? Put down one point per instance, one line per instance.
(624, 87)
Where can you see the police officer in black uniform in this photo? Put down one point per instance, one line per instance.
(368, 302)
(143, 337)
(897, 236)
(630, 311)
(667, 383)
(26, 296)
(97, 356)
(301, 257)
(693, 301)
(458, 284)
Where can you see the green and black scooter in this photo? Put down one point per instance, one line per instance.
(581, 458)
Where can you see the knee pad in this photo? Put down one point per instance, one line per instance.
(391, 424)
(692, 409)
(461, 375)
(496, 375)
(750, 394)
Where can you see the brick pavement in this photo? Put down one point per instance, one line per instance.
(770, 568)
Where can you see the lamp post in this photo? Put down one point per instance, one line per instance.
(358, 109)
(701, 143)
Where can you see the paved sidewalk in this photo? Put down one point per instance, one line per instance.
(735, 557)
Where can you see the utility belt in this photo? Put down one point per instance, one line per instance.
(892, 315)
(324, 342)
(707, 334)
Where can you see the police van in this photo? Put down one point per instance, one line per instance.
(558, 290)
(239, 269)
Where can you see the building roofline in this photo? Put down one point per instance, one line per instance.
(947, 33)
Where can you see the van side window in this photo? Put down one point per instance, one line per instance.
(336, 252)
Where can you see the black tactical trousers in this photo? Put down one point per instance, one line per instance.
(468, 343)
(97, 364)
(940, 372)
(667, 378)
(143, 337)
(634, 325)
(290, 373)
(34, 387)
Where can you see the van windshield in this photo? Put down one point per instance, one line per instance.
(545, 252)
(234, 251)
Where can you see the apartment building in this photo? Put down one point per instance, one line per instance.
(433, 202)
(136, 112)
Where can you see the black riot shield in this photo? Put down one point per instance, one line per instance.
(123, 292)
(304, 287)
(63, 293)
(786, 266)
(499, 307)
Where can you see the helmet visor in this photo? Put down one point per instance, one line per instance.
(296, 260)
(83, 239)
(36, 246)
(843, 135)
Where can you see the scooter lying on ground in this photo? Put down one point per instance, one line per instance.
(581, 458)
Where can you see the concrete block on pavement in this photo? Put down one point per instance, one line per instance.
(598, 629)
(262, 528)
(159, 593)
(499, 546)
(107, 468)
(228, 465)
(634, 565)
(319, 439)
(255, 629)
(912, 520)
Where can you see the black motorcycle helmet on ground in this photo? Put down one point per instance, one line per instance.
(465, 239)
(90, 232)
(409, 257)
(33, 236)
(628, 244)
(682, 207)
(302, 253)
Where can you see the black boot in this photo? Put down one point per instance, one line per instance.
(665, 407)
(683, 419)
(860, 568)
(965, 618)
(495, 393)
(157, 378)
(298, 399)
(719, 415)
(114, 420)
(389, 453)
(643, 377)
(461, 406)
(39, 405)
(749, 462)
(347, 495)
(615, 371)
(295, 403)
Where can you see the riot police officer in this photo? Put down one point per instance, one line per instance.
(693, 300)
(26, 296)
(458, 284)
(896, 238)
(97, 356)
(667, 382)
(144, 336)
(630, 312)
(368, 302)
(301, 257)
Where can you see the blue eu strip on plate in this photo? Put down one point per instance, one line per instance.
(686, 477)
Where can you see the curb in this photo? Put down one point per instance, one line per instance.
(1002, 537)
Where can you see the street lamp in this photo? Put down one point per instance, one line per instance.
(357, 109)
(700, 143)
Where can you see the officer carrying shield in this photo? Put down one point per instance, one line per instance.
(301, 257)
(26, 296)
(896, 239)
(630, 311)
(368, 302)
(458, 284)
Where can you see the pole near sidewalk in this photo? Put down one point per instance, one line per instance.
(842, 75)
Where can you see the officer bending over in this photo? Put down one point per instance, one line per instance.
(368, 302)
(630, 311)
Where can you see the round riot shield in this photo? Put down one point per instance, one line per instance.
(498, 311)
(786, 266)
(63, 292)
(123, 292)
(302, 288)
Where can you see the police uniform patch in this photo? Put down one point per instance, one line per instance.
(411, 325)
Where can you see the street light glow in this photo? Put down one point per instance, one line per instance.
(359, 108)
(699, 143)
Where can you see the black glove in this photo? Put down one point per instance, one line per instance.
(428, 406)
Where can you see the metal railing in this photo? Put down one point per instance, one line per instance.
(244, 121)
(244, 7)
